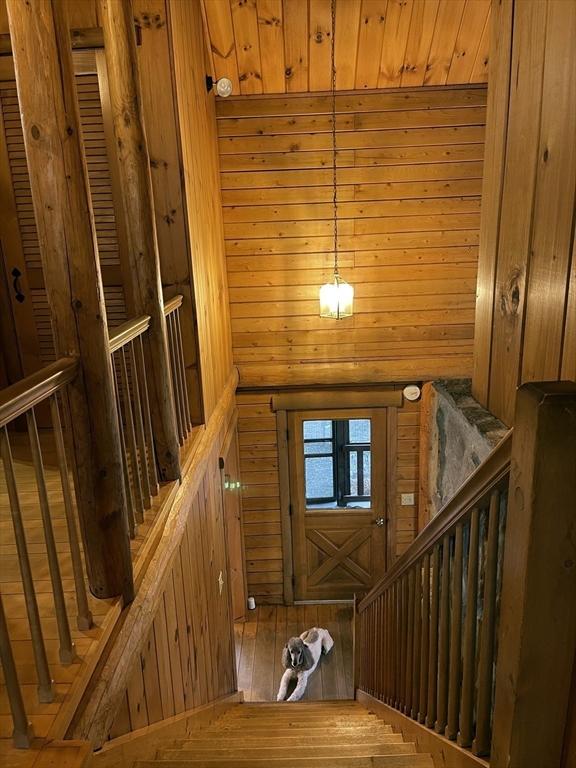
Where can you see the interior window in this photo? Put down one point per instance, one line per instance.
(337, 466)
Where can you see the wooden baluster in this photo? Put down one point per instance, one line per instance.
(377, 654)
(454, 681)
(129, 490)
(153, 474)
(481, 743)
(425, 641)
(466, 733)
(183, 366)
(132, 450)
(45, 692)
(23, 732)
(398, 641)
(66, 650)
(390, 646)
(444, 639)
(179, 374)
(409, 643)
(139, 423)
(403, 636)
(176, 383)
(382, 633)
(434, 631)
(417, 639)
(83, 615)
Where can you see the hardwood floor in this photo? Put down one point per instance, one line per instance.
(260, 640)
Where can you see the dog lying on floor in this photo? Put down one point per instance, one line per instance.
(300, 658)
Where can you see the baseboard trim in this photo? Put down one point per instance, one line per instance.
(445, 753)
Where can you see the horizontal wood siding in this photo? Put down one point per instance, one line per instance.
(409, 182)
(263, 539)
(526, 309)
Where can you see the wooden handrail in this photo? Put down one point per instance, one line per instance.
(172, 304)
(23, 395)
(131, 329)
(476, 489)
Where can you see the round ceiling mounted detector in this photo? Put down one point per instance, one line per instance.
(411, 392)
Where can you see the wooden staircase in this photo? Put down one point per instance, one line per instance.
(316, 734)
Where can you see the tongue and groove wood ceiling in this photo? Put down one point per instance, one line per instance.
(283, 46)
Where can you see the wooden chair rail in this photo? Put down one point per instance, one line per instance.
(128, 331)
(18, 398)
(491, 474)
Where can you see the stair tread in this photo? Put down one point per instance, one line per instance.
(289, 750)
(290, 738)
(412, 760)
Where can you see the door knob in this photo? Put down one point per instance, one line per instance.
(379, 521)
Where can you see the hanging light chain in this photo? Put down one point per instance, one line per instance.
(334, 179)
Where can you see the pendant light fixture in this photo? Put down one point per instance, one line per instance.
(337, 297)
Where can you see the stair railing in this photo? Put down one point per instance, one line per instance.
(134, 418)
(427, 631)
(178, 367)
(46, 386)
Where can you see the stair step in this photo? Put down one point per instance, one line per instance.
(344, 704)
(380, 761)
(295, 719)
(342, 734)
(223, 751)
(287, 737)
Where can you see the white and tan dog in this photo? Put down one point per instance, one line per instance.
(300, 658)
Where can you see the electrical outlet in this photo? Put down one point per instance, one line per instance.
(407, 499)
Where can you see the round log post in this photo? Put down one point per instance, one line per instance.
(133, 164)
(59, 184)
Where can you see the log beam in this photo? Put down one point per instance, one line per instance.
(63, 211)
(133, 163)
(537, 634)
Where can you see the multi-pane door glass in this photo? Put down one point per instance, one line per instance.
(337, 466)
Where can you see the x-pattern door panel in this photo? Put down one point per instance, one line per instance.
(337, 551)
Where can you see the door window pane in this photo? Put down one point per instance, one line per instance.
(319, 478)
(318, 447)
(359, 430)
(318, 430)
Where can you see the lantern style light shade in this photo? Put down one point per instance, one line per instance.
(336, 299)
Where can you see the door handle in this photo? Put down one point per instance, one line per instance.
(18, 295)
(380, 522)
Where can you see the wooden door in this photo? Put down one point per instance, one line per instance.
(231, 492)
(337, 501)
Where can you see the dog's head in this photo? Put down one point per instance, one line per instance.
(296, 654)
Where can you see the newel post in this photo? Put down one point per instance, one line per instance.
(133, 163)
(63, 212)
(537, 631)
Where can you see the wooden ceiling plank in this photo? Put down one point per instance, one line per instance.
(468, 41)
(245, 23)
(346, 42)
(296, 45)
(422, 25)
(480, 69)
(319, 78)
(396, 31)
(446, 31)
(271, 34)
(222, 43)
(371, 39)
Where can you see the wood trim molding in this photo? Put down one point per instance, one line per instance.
(445, 753)
(330, 398)
(286, 522)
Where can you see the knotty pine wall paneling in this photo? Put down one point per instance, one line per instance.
(263, 540)
(526, 309)
(197, 122)
(409, 181)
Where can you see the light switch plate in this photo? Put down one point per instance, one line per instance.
(407, 499)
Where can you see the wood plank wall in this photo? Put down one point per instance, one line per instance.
(526, 311)
(261, 494)
(187, 659)
(196, 116)
(409, 182)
